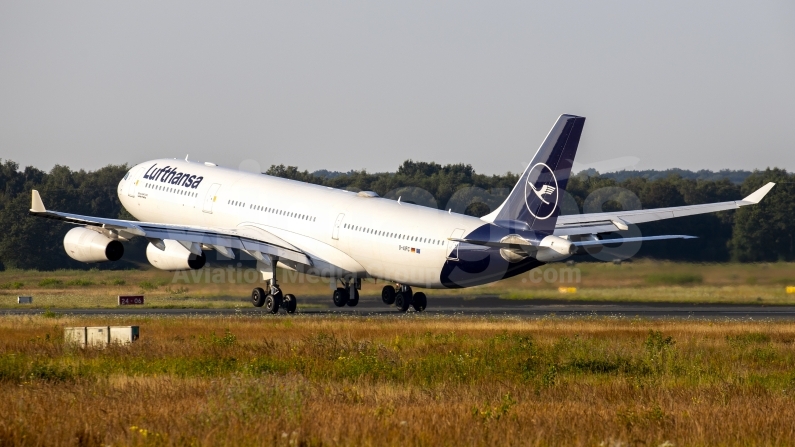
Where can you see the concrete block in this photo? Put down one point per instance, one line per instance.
(123, 334)
(97, 336)
(75, 335)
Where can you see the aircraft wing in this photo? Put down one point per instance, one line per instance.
(620, 220)
(254, 241)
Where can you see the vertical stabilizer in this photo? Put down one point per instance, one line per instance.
(533, 202)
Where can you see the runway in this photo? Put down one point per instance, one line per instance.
(479, 306)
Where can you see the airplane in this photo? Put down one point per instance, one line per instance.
(187, 208)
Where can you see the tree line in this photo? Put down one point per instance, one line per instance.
(751, 234)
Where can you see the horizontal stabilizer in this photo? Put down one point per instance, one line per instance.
(622, 240)
(495, 244)
(590, 243)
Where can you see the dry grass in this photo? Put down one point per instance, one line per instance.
(642, 281)
(401, 380)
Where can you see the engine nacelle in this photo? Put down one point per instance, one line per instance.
(84, 245)
(553, 249)
(174, 257)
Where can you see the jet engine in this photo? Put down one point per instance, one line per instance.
(86, 245)
(174, 257)
(553, 248)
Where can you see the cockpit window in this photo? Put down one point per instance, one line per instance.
(126, 175)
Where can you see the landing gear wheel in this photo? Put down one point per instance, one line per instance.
(353, 300)
(276, 292)
(290, 303)
(272, 304)
(402, 301)
(388, 295)
(340, 297)
(419, 301)
(258, 297)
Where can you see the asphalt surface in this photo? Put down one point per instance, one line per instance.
(483, 306)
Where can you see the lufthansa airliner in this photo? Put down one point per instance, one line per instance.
(186, 208)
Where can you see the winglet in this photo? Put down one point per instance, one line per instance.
(36, 205)
(756, 196)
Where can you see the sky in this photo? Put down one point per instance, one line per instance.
(367, 85)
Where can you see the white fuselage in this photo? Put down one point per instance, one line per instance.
(349, 234)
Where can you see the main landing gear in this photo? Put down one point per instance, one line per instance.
(404, 297)
(273, 299)
(348, 294)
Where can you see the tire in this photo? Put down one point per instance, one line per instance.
(277, 294)
(340, 297)
(353, 300)
(419, 301)
(388, 295)
(272, 304)
(402, 301)
(258, 297)
(290, 303)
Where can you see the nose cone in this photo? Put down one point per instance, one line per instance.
(123, 182)
(126, 187)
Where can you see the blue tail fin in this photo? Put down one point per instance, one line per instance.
(533, 202)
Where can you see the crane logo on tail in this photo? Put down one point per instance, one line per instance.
(545, 190)
(541, 191)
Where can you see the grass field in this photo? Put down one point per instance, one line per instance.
(415, 379)
(643, 281)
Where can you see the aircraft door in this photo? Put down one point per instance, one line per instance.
(132, 182)
(452, 246)
(335, 234)
(209, 199)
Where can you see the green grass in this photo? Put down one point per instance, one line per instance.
(80, 282)
(51, 282)
(674, 279)
(408, 380)
(638, 281)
